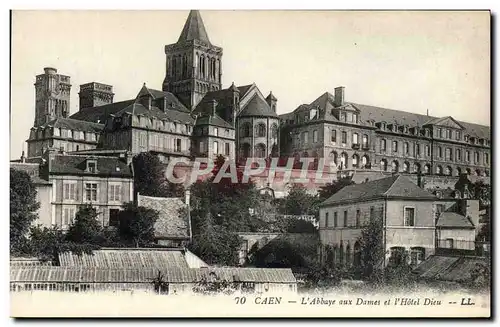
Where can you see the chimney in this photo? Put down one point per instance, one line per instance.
(23, 158)
(187, 197)
(214, 107)
(339, 96)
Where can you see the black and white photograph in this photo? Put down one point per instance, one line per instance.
(250, 163)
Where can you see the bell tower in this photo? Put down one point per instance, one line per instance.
(193, 64)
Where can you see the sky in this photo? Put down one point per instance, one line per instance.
(410, 61)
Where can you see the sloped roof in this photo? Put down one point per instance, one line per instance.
(74, 124)
(213, 120)
(76, 165)
(32, 169)
(145, 275)
(100, 113)
(244, 89)
(158, 95)
(448, 268)
(194, 29)
(453, 219)
(126, 258)
(396, 186)
(137, 108)
(257, 107)
(172, 222)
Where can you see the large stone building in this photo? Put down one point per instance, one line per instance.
(413, 220)
(194, 115)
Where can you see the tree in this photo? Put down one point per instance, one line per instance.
(160, 285)
(482, 192)
(137, 224)
(23, 207)
(213, 285)
(300, 202)
(372, 250)
(150, 179)
(330, 189)
(86, 228)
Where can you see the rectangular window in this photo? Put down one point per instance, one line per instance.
(335, 222)
(427, 150)
(69, 191)
(327, 223)
(216, 147)
(383, 145)
(91, 191)
(345, 218)
(216, 131)
(394, 146)
(417, 150)
(459, 155)
(315, 136)
(365, 141)
(448, 133)
(227, 149)
(358, 218)
(305, 135)
(91, 166)
(355, 138)
(334, 135)
(457, 135)
(449, 243)
(115, 193)
(202, 147)
(406, 148)
(476, 157)
(449, 155)
(467, 156)
(178, 145)
(409, 218)
(344, 137)
(68, 216)
(486, 159)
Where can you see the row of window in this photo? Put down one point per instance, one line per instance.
(160, 142)
(67, 133)
(166, 126)
(215, 148)
(90, 191)
(409, 218)
(444, 133)
(448, 152)
(260, 130)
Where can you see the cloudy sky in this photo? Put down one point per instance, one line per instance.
(411, 61)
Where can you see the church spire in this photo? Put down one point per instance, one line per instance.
(194, 29)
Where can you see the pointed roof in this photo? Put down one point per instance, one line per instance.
(194, 29)
(257, 107)
(271, 97)
(396, 186)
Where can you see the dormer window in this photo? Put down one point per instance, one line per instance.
(406, 129)
(91, 166)
(56, 131)
(466, 138)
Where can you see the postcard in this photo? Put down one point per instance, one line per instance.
(246, 163)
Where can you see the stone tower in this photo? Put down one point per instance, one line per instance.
(193, 64)
(95, 94)
(52, 93)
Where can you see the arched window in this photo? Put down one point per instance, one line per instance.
(274, 130)
(448, 171)
(395, 166)
(406, 148)
(427, 169)
(355, 161)
(468, 171)
(334, 156)
(383, 165)
(416, 167)
(343, 161)
(202, 66)
(458, 154)
(406, 167)
(216, 147)
(478, 172)
(459, 171)
(476, 157)
(448, 154)
(245, 130)
(439, 170)
(364, 161)
(394, 146)
(261, 130)
(355, 138)
(467, 156)
(260, 150)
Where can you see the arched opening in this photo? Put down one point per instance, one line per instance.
(439, 170)
(355, 161)
(334, 157)
(417, 255)
(406, 167)
(478, 172)
(260, 150)
(261, 130)
(468, 171)
(416, 167)
(343, 161)
(427, 169)
(397, 255)
(459, 171)
(395, 166)
(448, 171)
(365, 162)
(383, 165)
